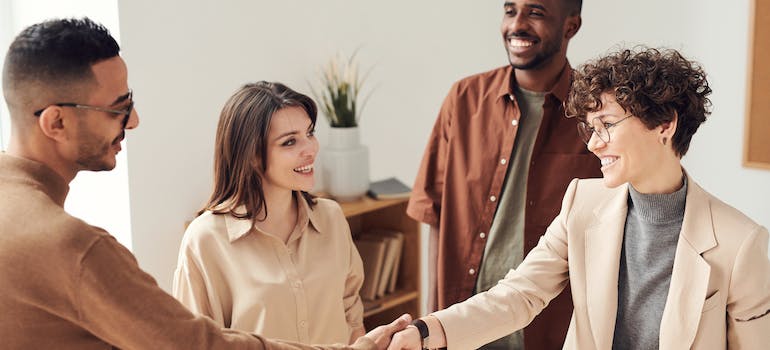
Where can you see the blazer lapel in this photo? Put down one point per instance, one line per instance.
(690, 276)
(603, 243)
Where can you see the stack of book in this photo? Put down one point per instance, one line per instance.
(390, 188)
(380, 251)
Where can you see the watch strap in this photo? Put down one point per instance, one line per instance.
(422, 327)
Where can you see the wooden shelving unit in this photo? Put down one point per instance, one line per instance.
(367, 214)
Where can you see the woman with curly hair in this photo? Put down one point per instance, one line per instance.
(653, 260)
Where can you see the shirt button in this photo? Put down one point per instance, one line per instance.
(514, 122)
(531, 203)
(471, 271)
(303, 323)
(297, 284)
(482, 235)
(492, 198)
(503, 161)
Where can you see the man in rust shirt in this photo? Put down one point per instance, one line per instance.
(63, 283)
(496, 166)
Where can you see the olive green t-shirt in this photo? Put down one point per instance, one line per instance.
(505, 245)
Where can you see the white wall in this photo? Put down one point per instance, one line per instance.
(6, 35)
(719, 39)
(186, 57)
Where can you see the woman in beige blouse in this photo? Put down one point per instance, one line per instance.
(263, 255)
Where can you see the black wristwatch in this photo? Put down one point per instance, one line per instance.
(423, 329)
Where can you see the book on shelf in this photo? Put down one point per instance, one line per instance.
(394, 241)
(390, 188)
(396, 263)
(372, 252)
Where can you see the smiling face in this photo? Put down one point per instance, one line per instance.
(634, 153)
(291, 150)
(536, 31)
(99, 133)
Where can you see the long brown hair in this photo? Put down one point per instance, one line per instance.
(241, 147)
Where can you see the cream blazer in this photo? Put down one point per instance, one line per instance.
(720, 286)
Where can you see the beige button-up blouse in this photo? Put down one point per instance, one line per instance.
(305, 290)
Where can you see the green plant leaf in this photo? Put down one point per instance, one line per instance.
(340, 86)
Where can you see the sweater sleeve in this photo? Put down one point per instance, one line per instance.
(123, 305)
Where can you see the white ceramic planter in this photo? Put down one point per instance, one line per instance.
(345, 165)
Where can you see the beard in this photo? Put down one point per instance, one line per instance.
(549, 50)
(94, 153)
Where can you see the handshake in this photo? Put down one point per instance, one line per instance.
(398, 335)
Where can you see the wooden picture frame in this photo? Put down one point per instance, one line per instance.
(756, 147)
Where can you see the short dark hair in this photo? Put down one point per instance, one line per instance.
(652, 84)
(573, 7)
(240, 152)
(54, 55)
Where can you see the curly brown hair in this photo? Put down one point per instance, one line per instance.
(652, 84)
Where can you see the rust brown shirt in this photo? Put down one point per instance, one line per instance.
(67, 285)
(461, 178)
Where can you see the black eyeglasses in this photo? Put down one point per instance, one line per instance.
(125, 112)
(599, 127)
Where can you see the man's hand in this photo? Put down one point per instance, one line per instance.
(408, 339)
(381, 335)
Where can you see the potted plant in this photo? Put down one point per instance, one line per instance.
(344, 160)
(338, 97)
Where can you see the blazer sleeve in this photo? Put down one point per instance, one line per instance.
(122, 305)
(748, 304)
(520, 296)
(425, 200)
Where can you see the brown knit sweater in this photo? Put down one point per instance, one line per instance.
(65, 284)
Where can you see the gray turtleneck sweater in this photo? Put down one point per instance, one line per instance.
(652, 229)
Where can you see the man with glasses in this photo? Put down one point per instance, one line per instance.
(92, 157)
(126, 113)
(63, 283)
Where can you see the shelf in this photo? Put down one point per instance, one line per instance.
(390, 214)
(367, 204)
(390, 301)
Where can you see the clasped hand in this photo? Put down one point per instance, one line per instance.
(397, 335)
(406, 339)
